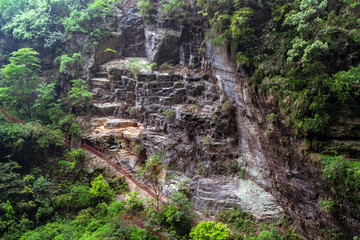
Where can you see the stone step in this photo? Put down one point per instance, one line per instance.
(159, 84)
(194, 78)
(163, 77)
(146, 77)
(117, 84)
(102, 68)
(99, 80)
(101, 75)
(107, 109)
(100, 83)
(120, 123)
(118, 72)
(120, 94)
(102, 94)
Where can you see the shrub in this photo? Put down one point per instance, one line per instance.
(134, 203)
(238, 219)
(67, 62)
(345, 175)
(210, 231)
(327, 205)
(176, 216)
(79, 96)
(100, 191)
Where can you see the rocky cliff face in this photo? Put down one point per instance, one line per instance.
(278, 161)
(212, 127)
(189, 121)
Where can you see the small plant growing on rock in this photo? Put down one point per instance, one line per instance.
(110, 50)
(134, 67)
(327, 205)
(270, 117)
(201, 168)
(207, 141)
(166, 67)
(193, 108)
(138, 149)
(169, 113)
(67, 63)
(145, 8)
(152, 67)
(131, 110)
(226, 108)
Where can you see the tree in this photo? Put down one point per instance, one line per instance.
(100, 190)
(151, 171)
(10, 181)
(176, 216)
(79, 95)
(19, 81)
(210, 231)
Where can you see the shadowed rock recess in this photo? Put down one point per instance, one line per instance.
(211, 127)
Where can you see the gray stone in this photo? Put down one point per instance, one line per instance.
(131, 84)
(146, 77)
(130, 96)
(100, 83)
(176, 78)
(107, 109)
(179, 85)
(163, 77)
(118, 72)
(120, 94)
(163, 46)
(120, 123)
(117, 84)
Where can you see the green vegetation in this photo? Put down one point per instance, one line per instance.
(345, 175)
(67, 62)
(135, 66)
(19, 81)
(134, 203)
(150, 173)
(169, 113)
(244, 226)
(210, 230)
(173, 9)
(301, 71)
(207, 141)
(327, 205)
(79, 95)
(54, 196)
(175, 217)
(110, 50)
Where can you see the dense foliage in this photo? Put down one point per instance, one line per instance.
(294, 51)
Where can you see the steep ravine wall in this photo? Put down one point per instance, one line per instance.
(275, 159)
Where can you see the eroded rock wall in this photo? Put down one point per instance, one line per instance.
(278, 161)
(188, 120)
